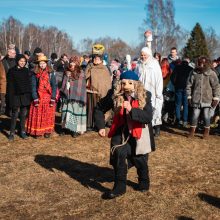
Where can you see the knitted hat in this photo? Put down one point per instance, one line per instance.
(129, 75)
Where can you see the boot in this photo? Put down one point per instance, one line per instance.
(143, 185)
(24, 135)
(206, 133)
(157, 130)
(192, 132)
(118, 190)
(11, 136)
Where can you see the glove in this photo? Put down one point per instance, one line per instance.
(52, 102)
(190, 102)
(36, 102)
(214, 103)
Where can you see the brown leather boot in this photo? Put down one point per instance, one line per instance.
(206, 133)
(191, 132)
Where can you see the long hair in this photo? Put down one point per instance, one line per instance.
(165, 67)
(139, 94)
(76, 70)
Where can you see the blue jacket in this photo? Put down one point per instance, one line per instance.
(53, 84)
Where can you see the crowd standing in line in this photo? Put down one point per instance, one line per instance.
(60, 84)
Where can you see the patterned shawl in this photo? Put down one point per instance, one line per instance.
(75, 89)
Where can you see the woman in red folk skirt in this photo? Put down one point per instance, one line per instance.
(41, 119)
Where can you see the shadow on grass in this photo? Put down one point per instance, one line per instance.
(89, 175)
(5, 123)
(183, 218)
(214, 201)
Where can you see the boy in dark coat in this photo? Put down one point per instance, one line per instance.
(131, 131)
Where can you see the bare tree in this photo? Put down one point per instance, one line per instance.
(160, 20)
(31, 36)
(213, 42)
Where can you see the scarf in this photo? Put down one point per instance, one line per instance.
(75, 89)
(119, 119)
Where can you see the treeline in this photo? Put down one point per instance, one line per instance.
(31, 36)
(166, 34)
(51, 39)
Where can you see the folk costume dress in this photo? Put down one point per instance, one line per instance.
(74, 106)
(41, 118)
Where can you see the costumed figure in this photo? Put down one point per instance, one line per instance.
(131, 132)
(74, 98)
(41, 119)
(98, 80)
(149, 72)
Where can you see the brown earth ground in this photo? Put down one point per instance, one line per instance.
(64, 178)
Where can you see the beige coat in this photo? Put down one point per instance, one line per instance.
(2, 79)
(98, 79)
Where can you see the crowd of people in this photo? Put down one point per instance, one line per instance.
(133, 97)
(34, 87)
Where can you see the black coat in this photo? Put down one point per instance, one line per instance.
(19, 87)
(180, 75)
(142, 116)
(8, 63)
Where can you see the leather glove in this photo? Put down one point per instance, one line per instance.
(36, 102)
(52, 102)
(214, 103)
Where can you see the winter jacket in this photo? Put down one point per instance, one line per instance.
(180, 75)
(202, 88)
(19, 87)
(8, 63)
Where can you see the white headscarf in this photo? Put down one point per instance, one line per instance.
(147, 51)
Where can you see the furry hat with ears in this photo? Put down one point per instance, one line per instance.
(139, 92)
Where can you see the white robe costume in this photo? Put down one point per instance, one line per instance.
(150, 75)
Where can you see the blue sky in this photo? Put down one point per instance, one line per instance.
(100, 18)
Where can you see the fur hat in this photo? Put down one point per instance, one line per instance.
(42, 58)
(129, 75)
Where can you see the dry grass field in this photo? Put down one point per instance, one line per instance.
(64, 178)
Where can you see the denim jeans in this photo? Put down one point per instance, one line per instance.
(181, 99)
(206, 116)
